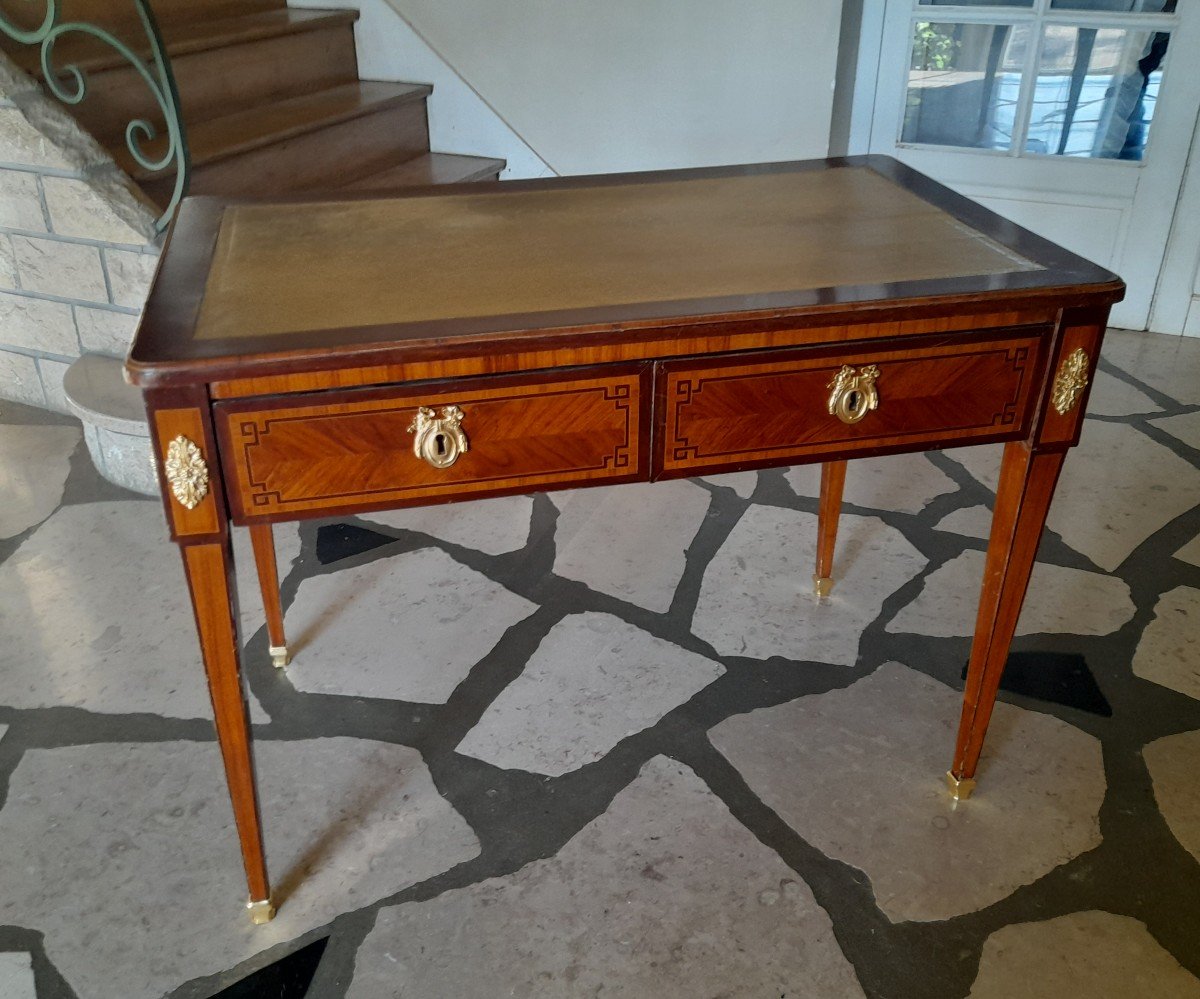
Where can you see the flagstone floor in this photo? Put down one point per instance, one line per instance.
(605, 743)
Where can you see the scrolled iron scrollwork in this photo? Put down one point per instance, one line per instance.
(69, 84)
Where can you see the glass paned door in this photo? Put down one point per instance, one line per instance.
(1095, 91)
(1030, 85)
(1072, 117)
(964, 84)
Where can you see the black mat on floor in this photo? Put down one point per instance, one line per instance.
(287, 978)
(339, 541)
(1056, 677)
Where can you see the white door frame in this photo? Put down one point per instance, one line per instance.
(1130, 195)
(1176, 305)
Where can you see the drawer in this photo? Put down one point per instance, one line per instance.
(774, 408)
(334, 452)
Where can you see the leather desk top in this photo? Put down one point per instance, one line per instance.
(245, 287)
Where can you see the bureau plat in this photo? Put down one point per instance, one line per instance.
(311, 357)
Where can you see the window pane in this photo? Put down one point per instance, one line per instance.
(1125, 6)
(1096, 91)
(963, 84)
(980, 3)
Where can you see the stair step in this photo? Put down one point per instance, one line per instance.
(182, 37)
(431, 168)
(233, 135)
(114, 14)
(319, 139)
(221, 66)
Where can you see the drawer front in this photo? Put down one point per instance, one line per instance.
(774, 409)
(341, 451)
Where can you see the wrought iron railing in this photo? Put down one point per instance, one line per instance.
(70, 85)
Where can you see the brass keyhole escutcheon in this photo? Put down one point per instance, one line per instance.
(853, 394)
(439, 439)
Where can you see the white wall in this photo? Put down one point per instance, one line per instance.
(460, 121)
(638, 84)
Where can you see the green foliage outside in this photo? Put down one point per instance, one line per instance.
(933, 48)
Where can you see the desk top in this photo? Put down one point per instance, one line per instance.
(248, 284)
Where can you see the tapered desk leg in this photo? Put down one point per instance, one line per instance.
(208, 567)
(833, 477)
(1027, 482)
(263, 540)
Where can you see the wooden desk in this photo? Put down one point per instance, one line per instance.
(317, 357)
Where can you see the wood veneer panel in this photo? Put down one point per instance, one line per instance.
(772, 410)
(829, 511)
(208, 568)
(262, 539)
(1081, 329)
(204, 518)
(1023, 496)
(636, 345)
(352, 450)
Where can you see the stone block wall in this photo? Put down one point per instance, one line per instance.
(77, 245)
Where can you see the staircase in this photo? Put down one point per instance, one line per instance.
(271, 101)
(271, 104)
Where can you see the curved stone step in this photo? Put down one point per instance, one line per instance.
(114, 422)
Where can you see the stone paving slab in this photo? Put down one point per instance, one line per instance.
(971, 522)
(664, 895)
(1190, 552)
(1185, 427)
(1123, 467)
(1061, 600)
(1169, 652)
(493, 526)
(1174, 762)
(408, 627)
(742, 483)
(128, 857)
(1165, 363)
(1097, 955)
(35, 461)
(905, 482)
(16, 975)
(593, 681)
(604, 535)
(66, 597)
(858, 773)
(756, 599)
(1110, 396)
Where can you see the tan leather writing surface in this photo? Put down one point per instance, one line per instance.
(282, 268)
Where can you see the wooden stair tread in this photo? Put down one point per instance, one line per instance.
(221, 138)
(184, 37)
(432, 168)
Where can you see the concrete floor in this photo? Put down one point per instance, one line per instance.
(604, 742)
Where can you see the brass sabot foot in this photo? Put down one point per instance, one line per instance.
(960, 787)
(261, 912)
(279, 656)
(822, 586)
